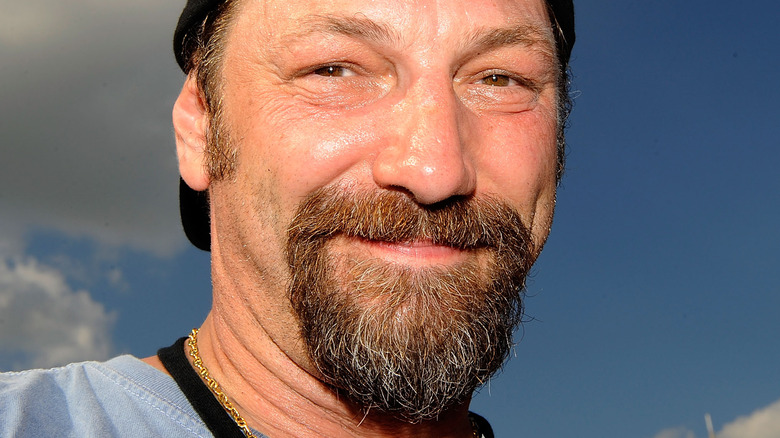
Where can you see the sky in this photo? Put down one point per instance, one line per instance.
(655, 300)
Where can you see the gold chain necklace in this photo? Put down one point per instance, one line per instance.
(214, 386)
(223, 399)
(474, 428)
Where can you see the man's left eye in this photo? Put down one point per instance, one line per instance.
(498, 80)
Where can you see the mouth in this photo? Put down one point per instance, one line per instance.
(413, 253)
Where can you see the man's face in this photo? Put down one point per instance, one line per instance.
(400, 109)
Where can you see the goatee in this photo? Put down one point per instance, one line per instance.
(411, 341)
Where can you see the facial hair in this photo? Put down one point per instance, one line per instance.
(407, 340)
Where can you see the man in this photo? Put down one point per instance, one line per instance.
(381, 176)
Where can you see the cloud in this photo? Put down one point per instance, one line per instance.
(763, 423)
(86, 89)
(44, 323)
(678, 432)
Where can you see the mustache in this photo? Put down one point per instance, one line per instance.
(382, 215)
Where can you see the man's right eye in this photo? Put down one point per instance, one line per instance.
(335, 71)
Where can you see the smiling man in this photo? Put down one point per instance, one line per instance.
(380, 177)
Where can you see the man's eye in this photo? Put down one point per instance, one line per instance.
(497, 80)
(335, 71)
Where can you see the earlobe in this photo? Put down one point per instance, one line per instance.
(190, 124)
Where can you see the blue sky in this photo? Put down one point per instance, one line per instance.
(654, 302)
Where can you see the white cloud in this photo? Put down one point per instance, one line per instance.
(86, 89)
(44, 322)
(116, 278)
(763, 423)
(678, 432)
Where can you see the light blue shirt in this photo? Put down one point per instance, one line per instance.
(122, 397)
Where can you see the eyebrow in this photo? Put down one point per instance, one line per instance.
(526, 35)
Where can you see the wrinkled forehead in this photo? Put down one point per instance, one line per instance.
(399, 21)
(398, 10)
(197, 13)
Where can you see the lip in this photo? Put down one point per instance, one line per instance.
(413, 253)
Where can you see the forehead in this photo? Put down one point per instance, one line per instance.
(400, 21)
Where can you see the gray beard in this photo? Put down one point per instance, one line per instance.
(411, 342)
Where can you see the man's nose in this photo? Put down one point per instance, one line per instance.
(428, 156)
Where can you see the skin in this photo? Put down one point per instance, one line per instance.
(365, 95)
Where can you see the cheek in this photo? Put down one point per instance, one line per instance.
(519, 159)
(299, 150)
(518, 163)
(317, 152)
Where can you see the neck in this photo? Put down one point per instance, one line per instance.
(281, 399)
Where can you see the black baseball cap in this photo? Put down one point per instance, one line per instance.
(193, 205)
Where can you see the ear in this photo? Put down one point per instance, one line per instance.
(190, 124)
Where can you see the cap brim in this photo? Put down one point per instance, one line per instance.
(195, 217)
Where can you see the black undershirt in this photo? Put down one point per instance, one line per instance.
(219, 422)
